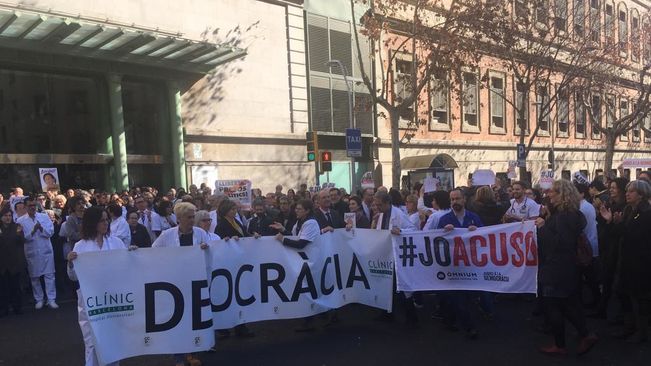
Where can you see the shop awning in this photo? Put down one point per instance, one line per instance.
(443, 161)
(77, 37)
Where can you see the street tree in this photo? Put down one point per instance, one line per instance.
(416, 43)
(548, 50)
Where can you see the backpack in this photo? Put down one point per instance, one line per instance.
(583, 251)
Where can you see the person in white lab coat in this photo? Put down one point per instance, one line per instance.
(185, 234)
(119, 226)
(163, 218)
(204, 221)
(38, 229)
(95, 237)
(390, 217)
(393, 218)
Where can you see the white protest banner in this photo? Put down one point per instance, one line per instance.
(367, 180)
(483, 177)
(546, 179)
(260, 279)
(236, 190)
(637, 163)
(49, 178)
(430, 184)
(500, 258)
(511, 174)
(147, 301)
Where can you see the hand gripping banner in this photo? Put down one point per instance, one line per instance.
(500, 258)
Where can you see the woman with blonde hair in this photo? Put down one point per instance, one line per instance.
(559, 275)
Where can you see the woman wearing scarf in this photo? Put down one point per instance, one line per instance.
(228, 227)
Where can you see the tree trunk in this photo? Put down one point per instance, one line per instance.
(611, 139)
(394, 120)
(523, 130)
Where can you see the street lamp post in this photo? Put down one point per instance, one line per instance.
(351, 117)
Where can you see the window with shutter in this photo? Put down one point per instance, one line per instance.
(578, 17)
(609, 27)
(595, 22)
(623, 112)
(542, 110)
(622, 28)
(579, 117)
(636, 132)
(470, 102)
(439, 103)
(521, 109)
(497, 102)
(328, 39)
(647, 128)
(563, 114)
(596, 113)
(402, 87)
(560, 15)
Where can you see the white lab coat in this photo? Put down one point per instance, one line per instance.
(170, 237)
(213, 223)
(85, 246)
(398, 219)
(590, 229)
(120, 229)
(38, 248)
(161, 223)
(309, 231)
(433, 219)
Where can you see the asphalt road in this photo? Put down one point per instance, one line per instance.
(52, 337)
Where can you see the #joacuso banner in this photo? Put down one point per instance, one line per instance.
(169, 300)
(500, 258)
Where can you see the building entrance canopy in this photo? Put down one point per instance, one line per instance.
(442, 161)
(54, 34)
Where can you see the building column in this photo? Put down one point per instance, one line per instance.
(118, 136)
(176, 130)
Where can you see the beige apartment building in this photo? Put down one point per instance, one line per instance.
(459, 138)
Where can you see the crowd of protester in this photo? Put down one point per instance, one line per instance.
(41, 234)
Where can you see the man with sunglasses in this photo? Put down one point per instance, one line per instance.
(38, 229)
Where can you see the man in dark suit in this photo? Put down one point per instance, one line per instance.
(337, 203)
(327, 218)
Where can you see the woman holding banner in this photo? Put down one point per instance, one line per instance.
(306, 227)
(95, 237)
(306, 230)
(559, 276)
(185, 234)
(228, 226)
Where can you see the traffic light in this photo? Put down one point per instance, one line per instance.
(312, 142)
(326, 161)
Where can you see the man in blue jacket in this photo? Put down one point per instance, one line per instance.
(456, 304)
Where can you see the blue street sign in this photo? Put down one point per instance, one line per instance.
(522, 161)
(353, 142)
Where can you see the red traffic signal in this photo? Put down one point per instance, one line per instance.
(326, 161)
(326, 156)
